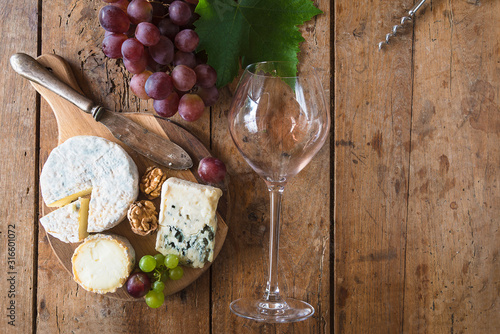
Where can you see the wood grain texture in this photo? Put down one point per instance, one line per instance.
(18, 154)
(416, 189)
(372, 131)
(304, 241)
(452, 269)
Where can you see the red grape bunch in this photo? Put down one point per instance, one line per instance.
(157, 43)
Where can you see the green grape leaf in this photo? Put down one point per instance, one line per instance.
(250, 31)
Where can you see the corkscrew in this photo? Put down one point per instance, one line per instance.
(404, 19)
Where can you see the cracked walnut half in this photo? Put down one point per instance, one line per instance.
(143, 217)
(152, 181)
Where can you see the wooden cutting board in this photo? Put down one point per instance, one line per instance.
(74, 122)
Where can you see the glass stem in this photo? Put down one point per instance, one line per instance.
(272, 293)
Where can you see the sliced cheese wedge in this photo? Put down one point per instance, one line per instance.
(85, 165)
(188, 221)
(69, 223)
(102, 263)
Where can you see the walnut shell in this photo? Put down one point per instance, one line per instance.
(143, 217)
(152, 181)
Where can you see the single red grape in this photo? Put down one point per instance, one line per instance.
(179, 12)
(212, 170)
(138, 285)
(132, 50)
(167, 107)
(168, 28)
(140, 11)
(147, 33)
(163, 51)
(205, 75)
(187, 40)
(183, 77)
(112, 45)
(159, 86)
(191, 107)
(113, 19)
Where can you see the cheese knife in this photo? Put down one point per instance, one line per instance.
(146, 143)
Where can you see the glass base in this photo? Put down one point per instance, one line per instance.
(286, 310)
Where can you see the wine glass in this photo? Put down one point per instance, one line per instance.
(278, 121)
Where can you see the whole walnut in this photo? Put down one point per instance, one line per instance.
(152, 181)
(143, 217)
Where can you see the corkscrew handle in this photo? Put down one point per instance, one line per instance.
(416, 8)
(404, 19)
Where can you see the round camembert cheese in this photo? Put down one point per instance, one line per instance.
(103, 262)
(85, 165)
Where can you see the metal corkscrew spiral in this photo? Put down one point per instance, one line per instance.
(404, 19)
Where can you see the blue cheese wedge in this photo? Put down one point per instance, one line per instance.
(92, 165)
(102, 263)
(188, 221)
(69, 223)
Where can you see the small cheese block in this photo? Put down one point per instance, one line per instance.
(103, 262)
(188, 221)
(69, 223)
(85, 165)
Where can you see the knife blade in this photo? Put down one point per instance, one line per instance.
(141, 140)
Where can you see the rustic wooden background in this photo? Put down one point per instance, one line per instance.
(392, 228)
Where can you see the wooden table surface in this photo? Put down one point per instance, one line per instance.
(392, 228)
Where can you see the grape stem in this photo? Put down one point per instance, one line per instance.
(166, 5)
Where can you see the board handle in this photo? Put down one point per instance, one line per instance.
(32, 70)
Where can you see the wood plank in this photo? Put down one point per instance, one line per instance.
(18, 119)
(241, 269)
(372, 130)
(452, 265)
(71, 29)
